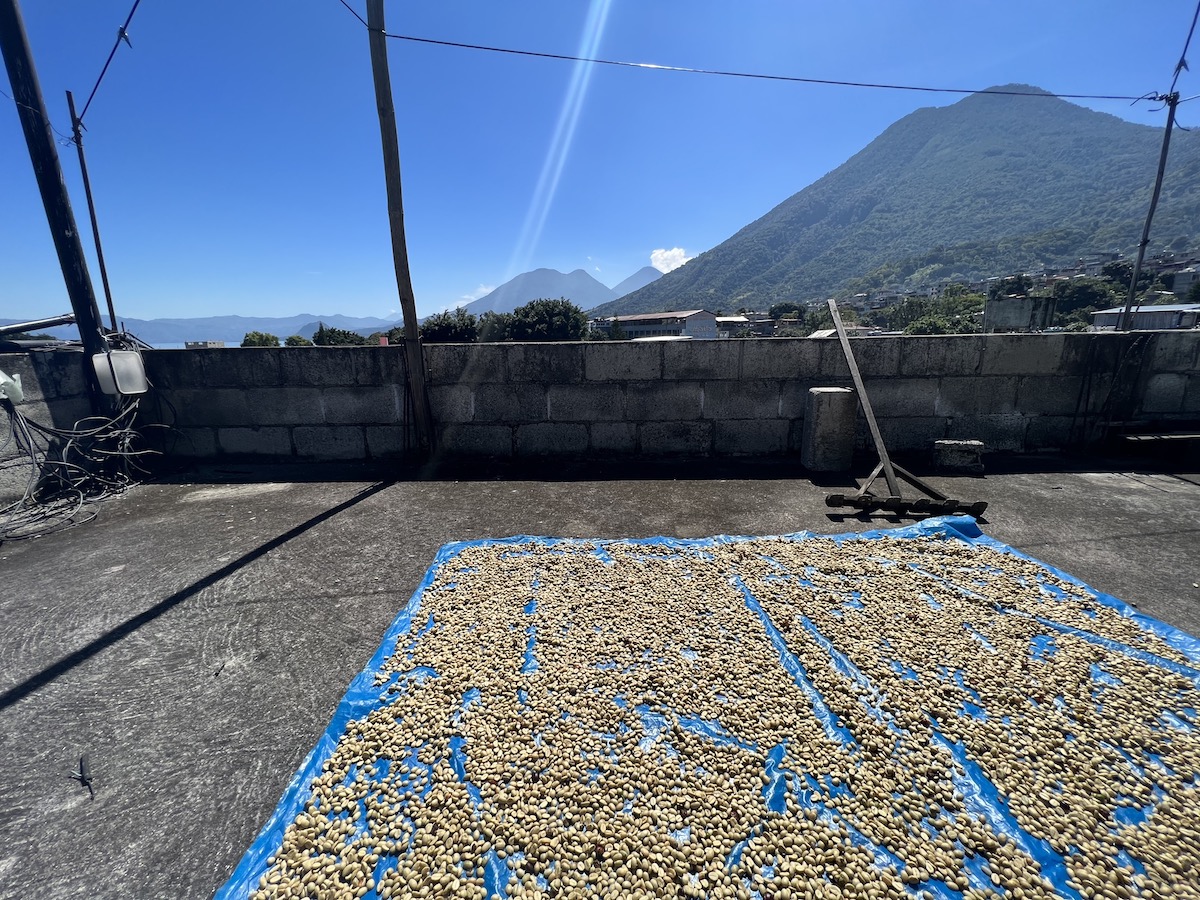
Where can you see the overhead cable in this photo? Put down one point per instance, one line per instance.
(762, 75)
(1182, 65)
(122, 35)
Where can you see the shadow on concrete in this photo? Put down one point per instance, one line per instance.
(128, 627)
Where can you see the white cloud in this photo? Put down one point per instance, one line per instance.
(597, 268)
(668, 260)
(482, 291)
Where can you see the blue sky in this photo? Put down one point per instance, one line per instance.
(234, 149)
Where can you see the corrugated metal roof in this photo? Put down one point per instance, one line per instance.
(673, 314)
(1157, 307)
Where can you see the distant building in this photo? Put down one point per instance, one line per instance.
(694, 323)
(1151, 318)
(202, 345)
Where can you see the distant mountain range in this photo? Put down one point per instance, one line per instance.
(230, 329)
(989, 185)
(579, 287)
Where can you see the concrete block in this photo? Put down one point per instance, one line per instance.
(833, 358)
(315, 366)
(241, 367)
(1004, 432)
(647, 401)
(1174, 351)
(1021, 354)
(1052, 432)
(677, 438)
(284, 406)
(552, 363)
(465, 363)
(969, 396)
(475, 440)
(510, 403)
(877, 357)
(1191, 395)
(749, 437)
(940, 355)
(959, 457)
(1049, 395)
(216, 408)
(63, 413)
(903, 396)
(363, 405)
(266, 441)
(904, 434)
(390, 441)
(783, 358)
(59, 375)
(330, 441)
(622, 360)
(702, 360)
(613, 437)
(551, 439)
(795, 435)
(452, 403)
(379, 365)
(1164, 393)
(828, 441)
(741, 400)
(192, 443)
(793, 395)
(586, 402)
(173, 369)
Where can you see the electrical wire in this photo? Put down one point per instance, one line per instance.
(1182, 64)
(759, 75)
(796, 79)
(64, 138)
(69, 470)
(122, 35)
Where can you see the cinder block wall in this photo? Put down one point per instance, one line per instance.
(54, 386)
(1017, 392)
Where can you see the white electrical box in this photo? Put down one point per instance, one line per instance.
(121, 372)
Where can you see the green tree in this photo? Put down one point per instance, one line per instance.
(1193, 294)
(1012, 285)
(458, 327)
(1121, 272)
(929, 325)
(259, 339)
(549, 320)
(297, 340)
(781, 309)
(336, 337)
(618, 333)
(494, 327)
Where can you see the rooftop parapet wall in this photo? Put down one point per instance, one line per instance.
(1018, 392)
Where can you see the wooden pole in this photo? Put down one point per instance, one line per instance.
(77, 135)
(391, 170)
(884, 460)
(31, 109)
(1126, 321)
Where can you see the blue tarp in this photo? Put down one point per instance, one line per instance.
(370, 690)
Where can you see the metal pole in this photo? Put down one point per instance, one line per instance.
(77, 133)
(1127, 316)
(42, 153)
(391, 168)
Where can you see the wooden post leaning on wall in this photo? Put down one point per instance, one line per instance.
(414, 356)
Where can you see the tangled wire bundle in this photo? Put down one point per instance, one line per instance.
(69, 470)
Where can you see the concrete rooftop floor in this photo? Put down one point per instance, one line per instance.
(195, 638)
